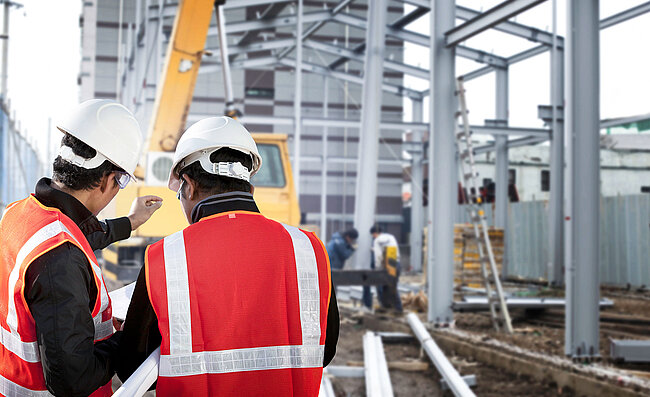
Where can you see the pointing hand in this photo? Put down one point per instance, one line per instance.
(142, 209)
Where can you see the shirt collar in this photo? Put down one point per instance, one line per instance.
(68, 205)
(224, 202)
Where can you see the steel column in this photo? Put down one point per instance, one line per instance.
(323, 172)
(416, 191)
(443, 171)
(120, 54)
(5, 50)
(297, 101)
(501, 172)
(556, 211)
(225, 62)
(582, 177)
(365, 200)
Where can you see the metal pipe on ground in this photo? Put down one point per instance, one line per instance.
(377, 376)
(444, 367)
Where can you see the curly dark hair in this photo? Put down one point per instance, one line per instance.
(75, 177)
(215, 184)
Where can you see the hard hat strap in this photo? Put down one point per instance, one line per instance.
(68, 155)
(229, 169)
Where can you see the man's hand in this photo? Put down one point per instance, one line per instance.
(142, 209)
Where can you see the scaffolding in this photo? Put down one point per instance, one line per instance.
(573, 257)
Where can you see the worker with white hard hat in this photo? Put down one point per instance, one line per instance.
(56, 327)
(239, 304)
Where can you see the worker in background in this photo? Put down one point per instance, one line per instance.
(384, 255)
(240, 305)
(55, 314)
(341, 247)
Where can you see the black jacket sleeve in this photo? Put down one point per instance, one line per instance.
(332, 332)
(141, 335)
(114, 230)
(58, 292)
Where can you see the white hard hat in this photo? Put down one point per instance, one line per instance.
(207, 136)
(109, 128)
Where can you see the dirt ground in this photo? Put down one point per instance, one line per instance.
(544, 331)
(490, 381)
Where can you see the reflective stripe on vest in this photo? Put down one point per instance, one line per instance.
(183, 362)
(28, 351)
(9, 388)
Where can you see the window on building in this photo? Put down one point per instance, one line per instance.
(546, 180)
(645, 189)
(260, 92)
(512, 176)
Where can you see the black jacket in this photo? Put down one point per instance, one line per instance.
(141, 335)
(60, 292)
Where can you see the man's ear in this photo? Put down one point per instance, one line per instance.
(104, 182)
(252, 189)
(192, 188)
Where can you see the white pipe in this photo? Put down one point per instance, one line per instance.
(444, 367)
(142, 378)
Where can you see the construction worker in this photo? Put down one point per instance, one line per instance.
(56, 329)
(240, 305)
(385, 255)
(341, 247)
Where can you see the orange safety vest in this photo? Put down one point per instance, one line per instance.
(242, 303)
(28, 230)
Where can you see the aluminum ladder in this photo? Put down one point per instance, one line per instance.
(476, 214)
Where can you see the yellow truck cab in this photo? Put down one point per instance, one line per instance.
(274, 194)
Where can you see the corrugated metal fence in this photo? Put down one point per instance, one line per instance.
(624, 239)
(20, 166)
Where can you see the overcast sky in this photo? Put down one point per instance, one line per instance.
(45, 57)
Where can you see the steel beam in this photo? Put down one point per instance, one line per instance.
(271, 11)
(582, 180)
(512, 143)
(417, 184)
(443, 170)
(501, 171)
(630, 351)
(438, 358)
(411, 37)
(322, 70)
(351, 54)
(555, 268)
(481, 57)
(545, 38)
(316, 26)
(488, 19)
(231, 5)
(625, 15)
(513, 28)
(480, 303)
(258, 46)
(365, 201)
(246, 26)
(241, 64)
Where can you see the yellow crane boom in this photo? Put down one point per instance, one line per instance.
(176, 85)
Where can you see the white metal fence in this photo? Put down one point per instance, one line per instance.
(20, 166)
(624, 239)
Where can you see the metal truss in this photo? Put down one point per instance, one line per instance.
(488, 19)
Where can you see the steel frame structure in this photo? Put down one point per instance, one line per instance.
(445, 43)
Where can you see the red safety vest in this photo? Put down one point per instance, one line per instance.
(242, 303)
(28, 230)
